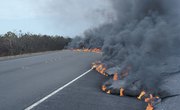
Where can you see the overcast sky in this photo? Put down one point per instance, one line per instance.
(53, 17)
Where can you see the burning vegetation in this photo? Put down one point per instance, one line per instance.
(139, 48)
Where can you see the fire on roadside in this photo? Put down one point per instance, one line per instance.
(108, 92)
(121, 92)
(152, 101)
(149, 101)
(149, 107)
(94, 50)
(141, 95)
(115, 77)
(101, 68)
(103, 88)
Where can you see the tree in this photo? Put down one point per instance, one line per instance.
(12, 44)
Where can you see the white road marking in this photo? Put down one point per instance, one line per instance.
(56, 91)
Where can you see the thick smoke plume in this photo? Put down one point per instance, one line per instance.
(144, 36)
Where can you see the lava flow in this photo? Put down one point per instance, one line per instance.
(121, 92)
(94, 50)
(115, 77)
(141, 95)
(102, 69)
(152, 101)
(99, 67)
(103, 88)
(140, 44)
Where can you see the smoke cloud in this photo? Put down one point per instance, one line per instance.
(145, 36)
(72, 17)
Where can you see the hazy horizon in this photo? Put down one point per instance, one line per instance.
(53, 17)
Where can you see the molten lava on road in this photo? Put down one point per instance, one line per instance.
(95, 50)
(107, 88)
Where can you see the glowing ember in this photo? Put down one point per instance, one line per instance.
(152, 101)
(149, 107)
(94, 66)
(148, 100)
(121, 92)
(115, 77)
(108, 92)
(103, 88)
(106, 74)
(103, 71)
(95, 50)
(141, 95)
(99, 67)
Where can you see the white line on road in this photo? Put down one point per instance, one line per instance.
(56, 91)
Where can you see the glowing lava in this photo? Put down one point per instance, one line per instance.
(101, 68)
(95, 50)
(141, 95)
(108, 92)
(152, 101)
(121, 92)
(115, 77)
(103, 88)
(149, 107)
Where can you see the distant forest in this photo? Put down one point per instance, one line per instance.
(13, 44)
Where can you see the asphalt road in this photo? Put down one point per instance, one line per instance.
(24, 81)
(172, 85)
(85, 94)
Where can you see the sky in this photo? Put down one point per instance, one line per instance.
(53, 17)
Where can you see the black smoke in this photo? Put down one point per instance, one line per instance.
(146, 36)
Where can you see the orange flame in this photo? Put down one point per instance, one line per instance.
(99, 68)
(95, 50)
(149, 107)
(108, 92)
(149, 99)
(115, 77)
(106, 74)
(103, 71)
(121, 92)
(141, 95)
(103, 88)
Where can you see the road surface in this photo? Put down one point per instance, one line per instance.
(24, 81)
(172, 85)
